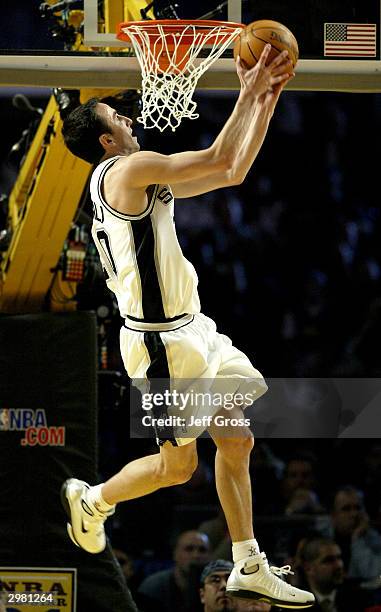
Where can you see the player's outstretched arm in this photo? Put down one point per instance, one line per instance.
(257, 129)
(255, 84)
(147, 167)
(193, 172)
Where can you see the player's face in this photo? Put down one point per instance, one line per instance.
(120, 129)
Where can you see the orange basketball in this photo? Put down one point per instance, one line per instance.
(256, 35)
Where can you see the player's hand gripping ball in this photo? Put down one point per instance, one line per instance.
(252, 40)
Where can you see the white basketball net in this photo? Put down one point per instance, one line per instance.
(167, 93)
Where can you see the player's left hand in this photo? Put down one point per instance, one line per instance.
(264, 77)
(269, 99)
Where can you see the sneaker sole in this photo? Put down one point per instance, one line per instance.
(243, 594)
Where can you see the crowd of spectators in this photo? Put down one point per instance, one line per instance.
(305, 515)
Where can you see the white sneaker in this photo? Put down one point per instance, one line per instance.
(254, 579)
(86, 527)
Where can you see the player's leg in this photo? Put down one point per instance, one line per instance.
(88, 507)
(232, 476)
(251, 577)
(173, 465)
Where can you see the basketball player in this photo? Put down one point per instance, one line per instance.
(165, 335)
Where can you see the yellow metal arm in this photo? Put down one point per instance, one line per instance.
(42, 206)
(45, 197)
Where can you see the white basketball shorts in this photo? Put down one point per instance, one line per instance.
(188, 356)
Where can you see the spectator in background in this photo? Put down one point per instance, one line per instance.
(323, 569)
(213, 587)
(167, 591)
(213, 591)
(297, 488)
(350, 528)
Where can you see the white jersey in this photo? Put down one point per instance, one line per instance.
(141, 256)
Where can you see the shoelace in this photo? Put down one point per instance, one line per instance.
(285, 570)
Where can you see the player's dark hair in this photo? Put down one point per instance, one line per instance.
(81, 130)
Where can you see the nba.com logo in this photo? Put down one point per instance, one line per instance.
(34, 425)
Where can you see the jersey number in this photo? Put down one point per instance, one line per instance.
(104, 241)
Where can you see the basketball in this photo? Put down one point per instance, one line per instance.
(250, 43)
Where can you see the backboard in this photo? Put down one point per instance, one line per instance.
(308, 25)
(339, 43)
(339, 40)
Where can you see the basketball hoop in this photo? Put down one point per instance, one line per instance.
(167, 51)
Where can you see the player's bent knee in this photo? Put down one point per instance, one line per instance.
(183, 474)
(178, 474)
(239, 447)
(245, 444)
(177, 469)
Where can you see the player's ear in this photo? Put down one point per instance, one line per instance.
(202, 598)
(106, 140)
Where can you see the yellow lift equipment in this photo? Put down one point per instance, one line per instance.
(45, 198)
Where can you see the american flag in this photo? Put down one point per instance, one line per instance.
(350, 39)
